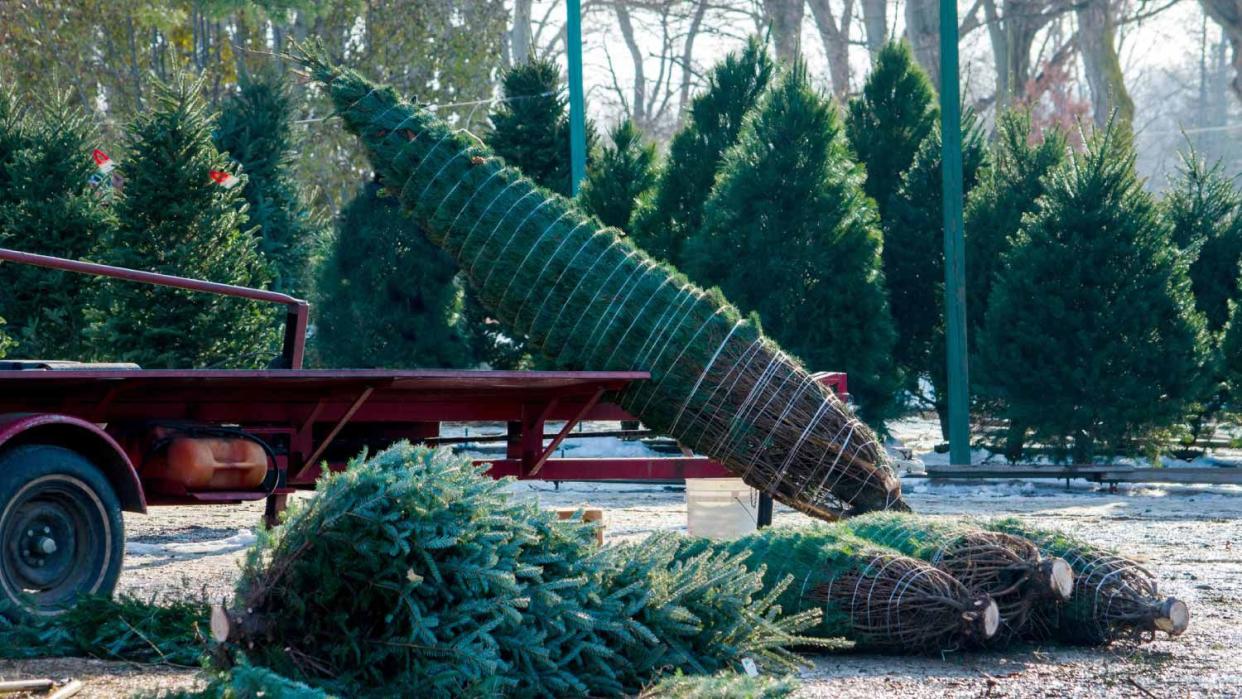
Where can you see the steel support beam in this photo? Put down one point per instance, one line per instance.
(577, 104)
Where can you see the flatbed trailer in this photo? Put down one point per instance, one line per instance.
(80, 443)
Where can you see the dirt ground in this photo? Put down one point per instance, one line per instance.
(1191, 538)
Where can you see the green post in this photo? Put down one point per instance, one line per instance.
(577, 116)
(954, 239)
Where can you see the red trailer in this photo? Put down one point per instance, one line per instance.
(80, 443)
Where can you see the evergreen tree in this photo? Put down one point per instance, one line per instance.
(695, 154)
(889, 121)
(1231, 351)
(491, 343)
(1206, 212)
(51, 208)
(530, 127)
(172, 218)
(12, 138)
(789, 202)
(387, 296)
(1008, 188)
(623, 174)
(1091, 337)
(914, 256)
(255, 128)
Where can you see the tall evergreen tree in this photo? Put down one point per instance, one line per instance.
(889, 121)
(695, 154)
(623, 174)
(530, 127)
(1008, 188)
(173, 218)
(1092, 338)
(386, 295)
(12, 138)
(914, 256)
(51, 208)
(255, 128)
(1206, 212)
(789, 203)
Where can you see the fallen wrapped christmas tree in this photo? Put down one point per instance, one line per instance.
(1114, 597)
(413, 569)
(589, 299)
(868, 594)
(1009, 569)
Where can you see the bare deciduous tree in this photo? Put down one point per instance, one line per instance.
(1109, 97)
(836, 39)
(923, 33)
(784, 17)
(661, 38)
(1228, 14)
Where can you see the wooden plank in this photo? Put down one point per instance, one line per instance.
(1095, 472)
(1206, 476)
(1022, 471)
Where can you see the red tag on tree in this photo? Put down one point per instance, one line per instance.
(225, 179)
(102, 161)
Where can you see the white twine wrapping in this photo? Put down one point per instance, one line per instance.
(503, 217)
(500, 255)
(598, 334)
(586, 311)
(543, 270)
(517, 272)
(702, 375)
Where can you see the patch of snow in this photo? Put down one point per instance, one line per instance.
(236, 542)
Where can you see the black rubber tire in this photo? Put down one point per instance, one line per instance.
(50, 493)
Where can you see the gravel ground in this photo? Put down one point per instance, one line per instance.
(1190, 537)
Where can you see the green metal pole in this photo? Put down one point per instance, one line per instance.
(954, 239)
(577, 108)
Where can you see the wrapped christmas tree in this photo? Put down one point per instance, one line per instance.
(869, 594)
(1008, 568)
(1114, 597)
(588, 299)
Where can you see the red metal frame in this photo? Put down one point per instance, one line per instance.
(297, 310)
(322, 415)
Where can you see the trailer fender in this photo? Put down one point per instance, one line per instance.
(86, 438)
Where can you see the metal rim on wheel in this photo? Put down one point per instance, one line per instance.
(54, 541)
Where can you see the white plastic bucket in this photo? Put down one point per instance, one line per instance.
(721, 508)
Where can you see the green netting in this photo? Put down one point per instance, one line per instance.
(1114, 597)
(869, 594)
(589, 299)
(1010, 569)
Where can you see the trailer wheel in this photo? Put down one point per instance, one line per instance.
(61, 532)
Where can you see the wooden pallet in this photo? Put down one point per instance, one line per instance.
(1100, 473)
